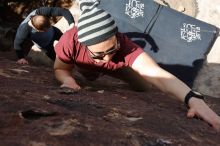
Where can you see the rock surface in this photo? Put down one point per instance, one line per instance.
(208, 79)
(34, 111)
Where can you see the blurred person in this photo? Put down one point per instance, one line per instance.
(37, 28)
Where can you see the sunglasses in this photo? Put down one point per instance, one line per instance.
(101, 55)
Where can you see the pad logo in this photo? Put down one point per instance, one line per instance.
(134, 9)
(190, 32)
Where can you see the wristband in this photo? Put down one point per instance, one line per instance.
(192, 94)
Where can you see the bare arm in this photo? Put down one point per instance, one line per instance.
(21, 35)
(168, 83)
(63, 73)
(162, 79)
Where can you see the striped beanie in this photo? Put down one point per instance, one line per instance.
(94, 25)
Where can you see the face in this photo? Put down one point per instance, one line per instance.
(104, 51)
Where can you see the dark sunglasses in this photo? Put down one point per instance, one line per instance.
(101, 55)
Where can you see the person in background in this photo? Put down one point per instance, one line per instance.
(37, 28)
(96, 46)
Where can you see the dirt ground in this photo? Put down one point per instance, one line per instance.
(34, 111)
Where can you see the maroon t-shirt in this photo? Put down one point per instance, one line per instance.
(71, 51)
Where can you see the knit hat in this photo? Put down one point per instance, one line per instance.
(95, 25)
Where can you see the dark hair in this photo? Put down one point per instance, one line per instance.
(42, 24)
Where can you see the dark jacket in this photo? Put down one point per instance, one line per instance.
(41, 39)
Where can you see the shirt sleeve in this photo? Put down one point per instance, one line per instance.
(130, 50)
(21, 36)
(64, 48)
(56, 11)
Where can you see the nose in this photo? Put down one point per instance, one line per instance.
(107, 58)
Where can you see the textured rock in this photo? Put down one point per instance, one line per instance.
(34, 113)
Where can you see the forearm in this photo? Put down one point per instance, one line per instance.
(21, 36)
(56, 11)
(162, 79)
(64, 76)
(18, 50)
(68, 16)
(169, 84)
(20, 54)
(63, 73)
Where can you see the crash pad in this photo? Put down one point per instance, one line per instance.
(179, 43)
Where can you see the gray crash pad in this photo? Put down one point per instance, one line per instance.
(179, 43)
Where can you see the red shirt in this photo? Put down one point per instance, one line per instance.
(71, 51)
